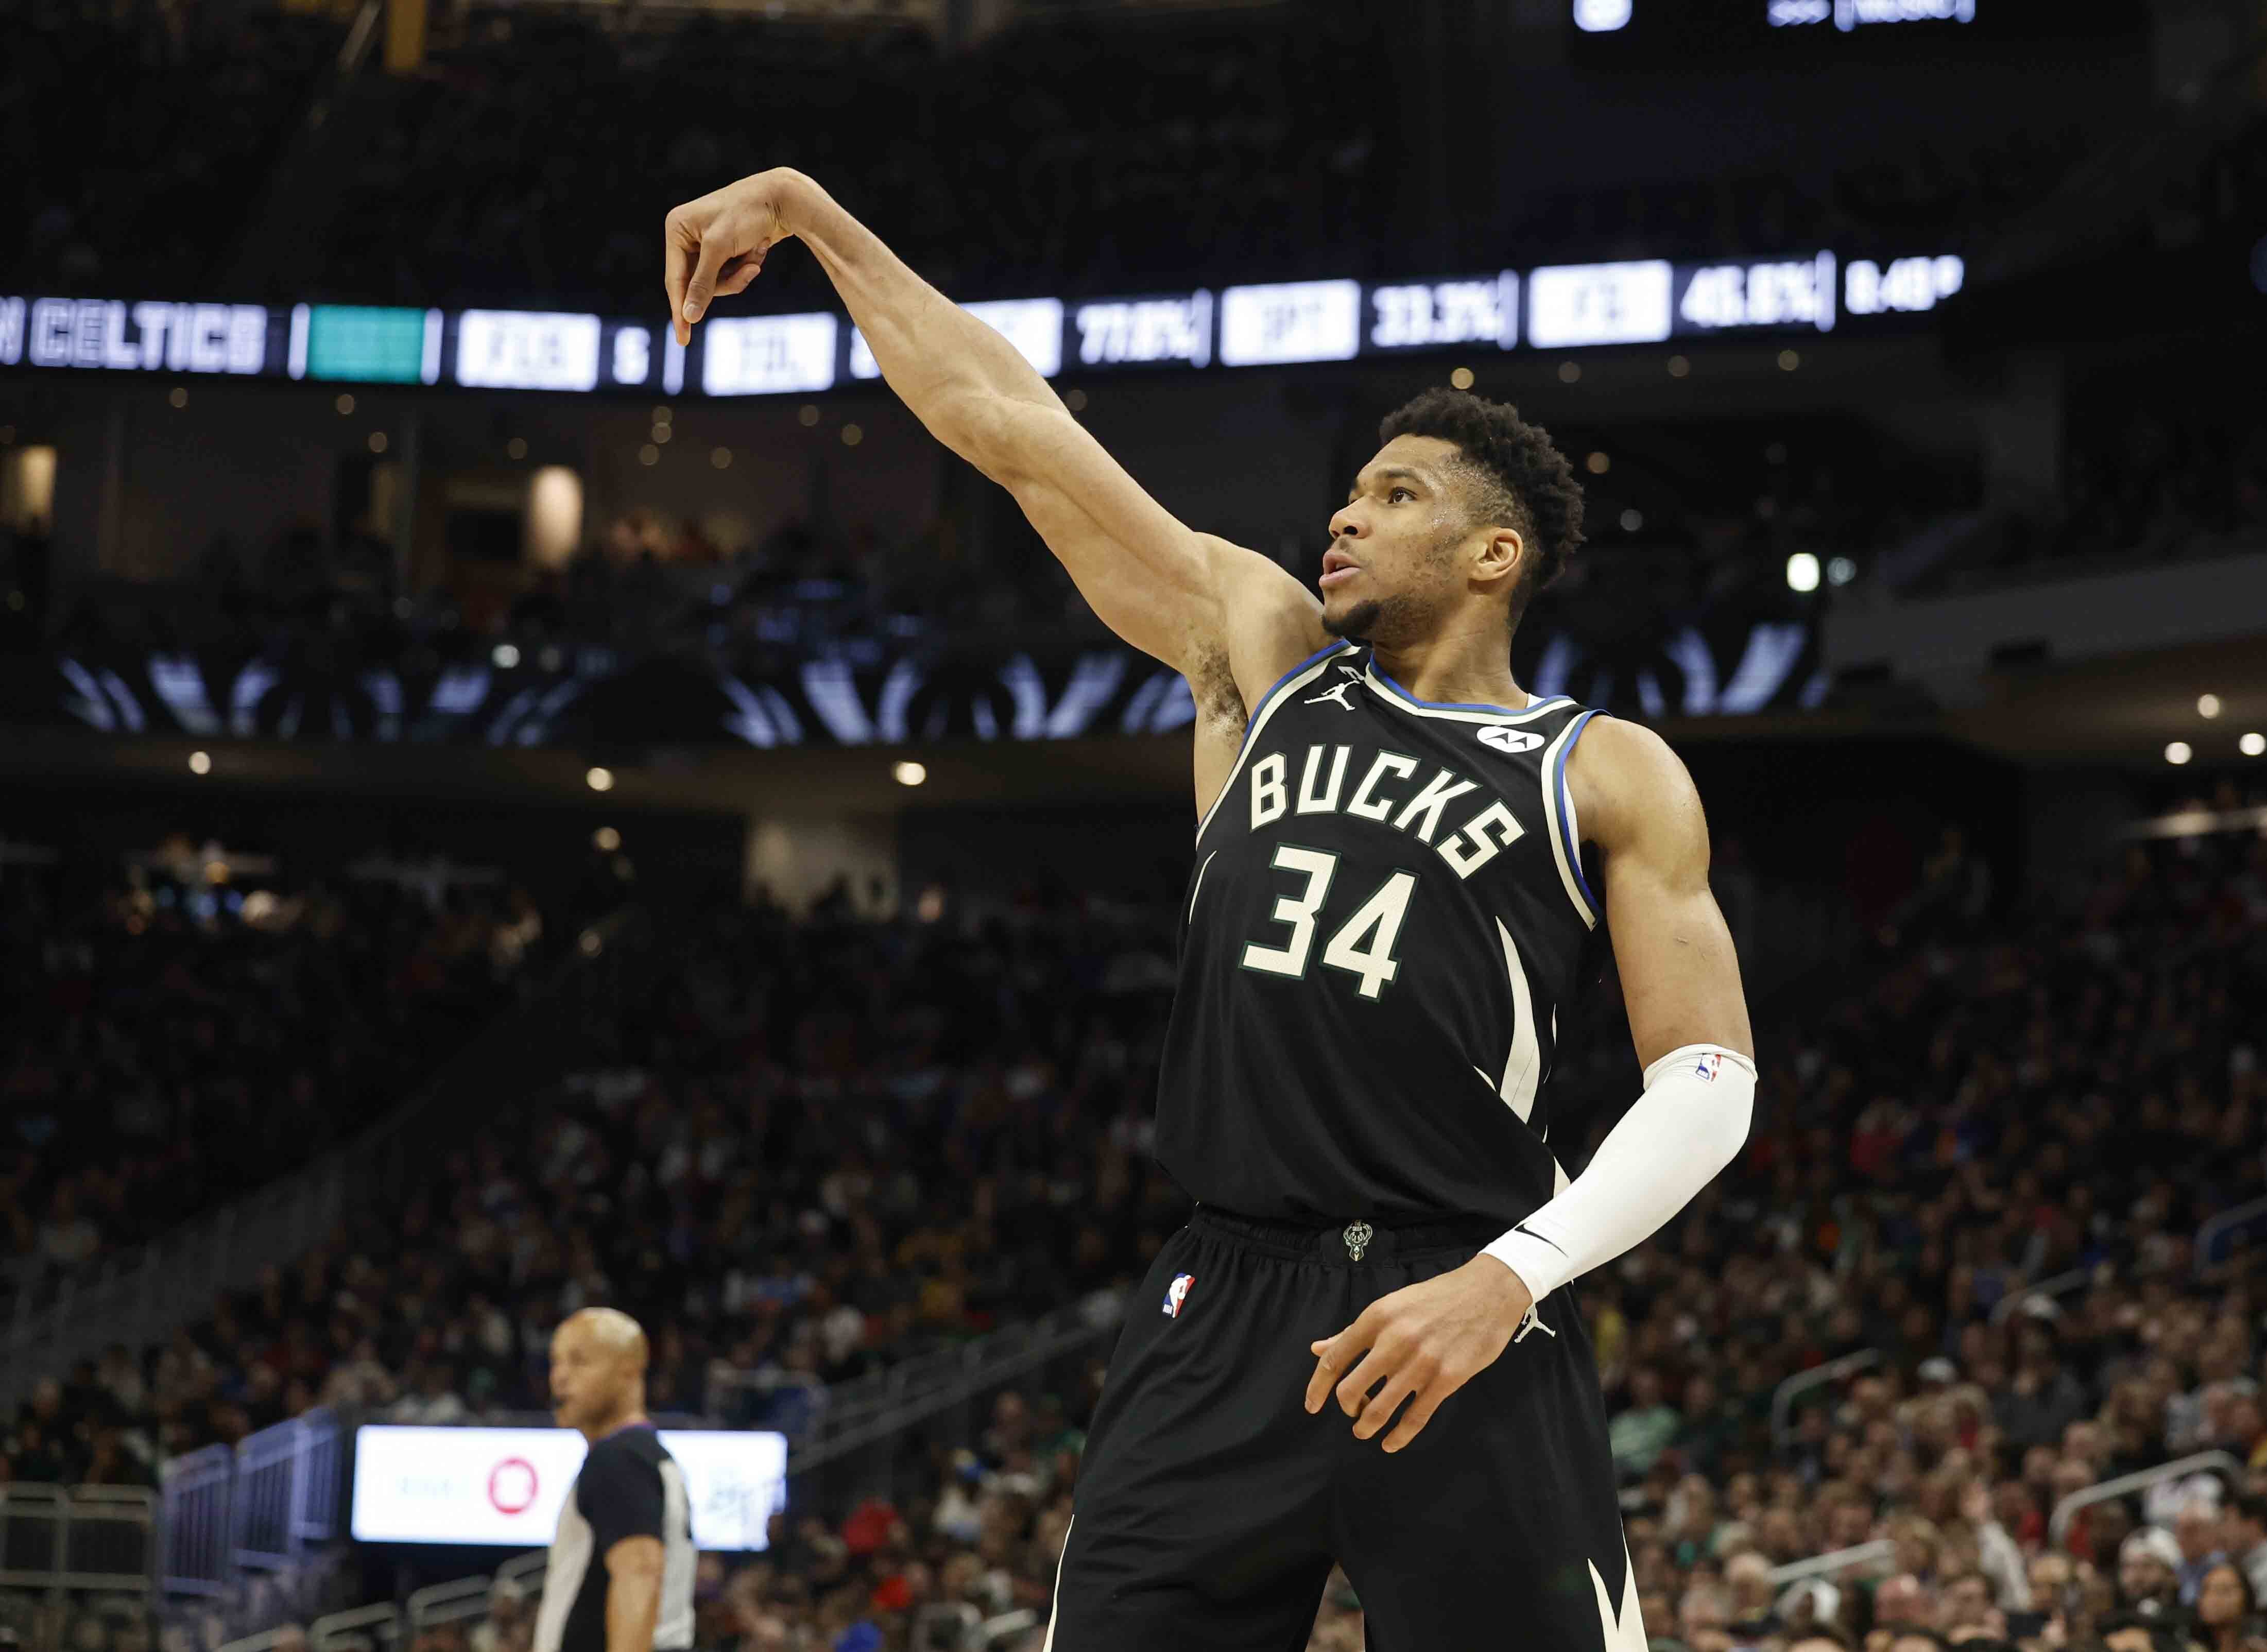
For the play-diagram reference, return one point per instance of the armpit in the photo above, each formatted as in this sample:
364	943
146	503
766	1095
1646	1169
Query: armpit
1220	703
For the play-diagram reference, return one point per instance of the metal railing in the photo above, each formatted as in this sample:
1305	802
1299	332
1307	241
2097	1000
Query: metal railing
2227	1222
1833	1561
385	1626
143	1296
286	1496
2047	1289
1785	1395
78	1537
365	1629
873	1408
2067	1508
261	1507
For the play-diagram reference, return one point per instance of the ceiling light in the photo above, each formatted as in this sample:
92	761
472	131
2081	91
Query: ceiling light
2178	752
599	780
910	773
2207	705
1803	571
200	763
2252	744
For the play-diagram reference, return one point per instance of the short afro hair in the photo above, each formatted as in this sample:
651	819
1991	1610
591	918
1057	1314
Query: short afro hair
1525	483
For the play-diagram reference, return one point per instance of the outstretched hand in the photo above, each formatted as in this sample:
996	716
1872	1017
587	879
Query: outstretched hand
714	247
1422	1343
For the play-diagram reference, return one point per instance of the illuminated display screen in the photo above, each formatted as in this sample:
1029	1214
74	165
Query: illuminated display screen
1571	305
1292	321
146	336
1775	295
1634	31
1562	306
1907	285
526	349
506	1487
1123	332
767	355
366	345
1425	315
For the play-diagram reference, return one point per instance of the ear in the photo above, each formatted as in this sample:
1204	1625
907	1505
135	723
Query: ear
1502	556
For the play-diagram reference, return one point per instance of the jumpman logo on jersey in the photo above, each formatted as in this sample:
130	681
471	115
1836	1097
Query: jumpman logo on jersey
1337	696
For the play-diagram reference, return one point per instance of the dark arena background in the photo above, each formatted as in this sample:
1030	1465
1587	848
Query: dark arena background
501	812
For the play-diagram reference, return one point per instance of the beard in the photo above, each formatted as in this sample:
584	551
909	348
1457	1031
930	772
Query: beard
1393	621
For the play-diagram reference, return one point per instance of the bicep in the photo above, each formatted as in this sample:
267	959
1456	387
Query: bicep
638	1556
1680	976
1178	595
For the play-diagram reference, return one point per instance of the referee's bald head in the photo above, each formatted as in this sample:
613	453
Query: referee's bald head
597	1370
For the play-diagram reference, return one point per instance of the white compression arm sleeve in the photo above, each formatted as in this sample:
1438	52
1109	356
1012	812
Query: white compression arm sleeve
1686	1127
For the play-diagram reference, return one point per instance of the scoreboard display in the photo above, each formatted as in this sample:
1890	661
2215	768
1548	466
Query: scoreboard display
1652	33
1563	307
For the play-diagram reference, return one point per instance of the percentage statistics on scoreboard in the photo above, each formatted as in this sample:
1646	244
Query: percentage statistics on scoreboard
1562	306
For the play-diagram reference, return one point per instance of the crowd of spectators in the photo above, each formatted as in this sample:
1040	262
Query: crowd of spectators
835	1142
141	134
768	1181
529	152
177	1039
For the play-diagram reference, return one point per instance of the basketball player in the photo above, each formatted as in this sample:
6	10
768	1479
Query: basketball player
1367	1348
620	1577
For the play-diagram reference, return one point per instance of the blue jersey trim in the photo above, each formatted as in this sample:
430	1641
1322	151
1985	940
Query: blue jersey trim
1567	810
1453	705
1252	722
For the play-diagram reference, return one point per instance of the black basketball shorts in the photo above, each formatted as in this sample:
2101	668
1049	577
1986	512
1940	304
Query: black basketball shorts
1210	1505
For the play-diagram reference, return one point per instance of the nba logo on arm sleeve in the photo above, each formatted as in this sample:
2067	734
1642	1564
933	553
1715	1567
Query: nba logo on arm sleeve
1176	1293
1709	1065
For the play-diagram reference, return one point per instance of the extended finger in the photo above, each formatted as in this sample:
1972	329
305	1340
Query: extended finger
677	265
1328	1357
1420	1412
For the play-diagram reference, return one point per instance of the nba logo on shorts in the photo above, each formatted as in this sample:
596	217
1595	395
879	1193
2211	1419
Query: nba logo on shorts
1708	1066
1176	1293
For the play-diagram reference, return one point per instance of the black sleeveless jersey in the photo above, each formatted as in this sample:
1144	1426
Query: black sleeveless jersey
1388	909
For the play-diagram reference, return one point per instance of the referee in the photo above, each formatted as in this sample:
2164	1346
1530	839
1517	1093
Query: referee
620	1577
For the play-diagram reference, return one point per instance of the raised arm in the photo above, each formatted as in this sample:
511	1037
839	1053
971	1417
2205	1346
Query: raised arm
1227	618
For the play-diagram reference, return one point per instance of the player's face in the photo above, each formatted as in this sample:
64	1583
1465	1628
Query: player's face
1403	547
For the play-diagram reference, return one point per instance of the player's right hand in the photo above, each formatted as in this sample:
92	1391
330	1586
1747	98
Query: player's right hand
716	245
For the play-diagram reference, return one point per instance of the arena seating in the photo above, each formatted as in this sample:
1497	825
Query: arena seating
142	134
1980	1171
458	194
187	1038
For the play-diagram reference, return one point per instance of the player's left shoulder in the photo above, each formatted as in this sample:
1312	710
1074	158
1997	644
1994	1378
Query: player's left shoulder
1626	782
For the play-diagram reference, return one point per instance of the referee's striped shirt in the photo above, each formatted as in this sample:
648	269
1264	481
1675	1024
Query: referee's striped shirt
629	1486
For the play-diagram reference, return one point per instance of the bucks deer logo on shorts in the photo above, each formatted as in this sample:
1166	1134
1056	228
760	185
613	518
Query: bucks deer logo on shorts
1176	1293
